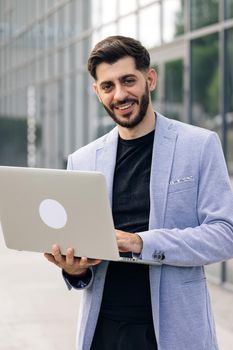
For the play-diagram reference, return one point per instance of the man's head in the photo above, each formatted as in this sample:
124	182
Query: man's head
113	48
123	81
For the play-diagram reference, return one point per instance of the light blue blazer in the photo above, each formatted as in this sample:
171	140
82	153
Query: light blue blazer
191	224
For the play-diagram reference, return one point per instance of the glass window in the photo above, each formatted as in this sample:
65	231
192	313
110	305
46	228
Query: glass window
108	30
31	13
145	2
173	96
85	14
127	26
2	24
76	55
86	46
37	73
126	7
41	36
13	141
76	12
50	3
35	39
205	82
173	19
48	64
229	274
154	92
203	13
229	98
68	24
50	32
96	37
150	35
228	9
67	59
95	13
62	26
40	7
108	11
41	67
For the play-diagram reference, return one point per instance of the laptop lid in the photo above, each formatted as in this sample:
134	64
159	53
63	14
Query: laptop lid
40	207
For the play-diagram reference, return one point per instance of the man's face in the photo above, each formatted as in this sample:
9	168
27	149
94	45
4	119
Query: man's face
123	90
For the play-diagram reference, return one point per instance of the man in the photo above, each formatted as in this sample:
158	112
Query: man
171	202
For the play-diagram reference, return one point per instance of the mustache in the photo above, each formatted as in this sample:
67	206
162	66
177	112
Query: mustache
125	101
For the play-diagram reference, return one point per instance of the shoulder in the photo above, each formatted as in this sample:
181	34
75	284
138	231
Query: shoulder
188	133
84	157
192	144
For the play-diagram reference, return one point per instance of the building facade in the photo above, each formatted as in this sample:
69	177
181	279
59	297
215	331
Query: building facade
47	105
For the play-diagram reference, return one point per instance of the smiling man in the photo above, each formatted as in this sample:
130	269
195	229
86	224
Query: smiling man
172	203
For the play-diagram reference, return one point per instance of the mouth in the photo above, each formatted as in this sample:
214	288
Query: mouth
125	107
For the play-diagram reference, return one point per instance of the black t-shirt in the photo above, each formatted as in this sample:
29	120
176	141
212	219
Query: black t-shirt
126	294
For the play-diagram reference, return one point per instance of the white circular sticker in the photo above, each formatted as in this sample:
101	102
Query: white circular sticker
52	213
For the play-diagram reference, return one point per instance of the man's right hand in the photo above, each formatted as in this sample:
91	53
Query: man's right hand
69	263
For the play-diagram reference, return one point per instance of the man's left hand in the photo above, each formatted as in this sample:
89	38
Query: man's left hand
129	242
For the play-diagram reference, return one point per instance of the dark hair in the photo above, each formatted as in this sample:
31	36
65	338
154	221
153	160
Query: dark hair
116	47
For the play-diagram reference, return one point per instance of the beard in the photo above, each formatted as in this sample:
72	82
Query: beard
130	122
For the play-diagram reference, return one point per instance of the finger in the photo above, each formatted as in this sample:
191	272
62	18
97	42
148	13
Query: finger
70	256
93	262
49	257
87	262
56	253
83	261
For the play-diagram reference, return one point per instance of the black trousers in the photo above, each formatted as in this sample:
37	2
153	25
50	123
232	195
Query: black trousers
119	335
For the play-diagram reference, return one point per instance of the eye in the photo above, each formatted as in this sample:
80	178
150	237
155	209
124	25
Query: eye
129	81
107	87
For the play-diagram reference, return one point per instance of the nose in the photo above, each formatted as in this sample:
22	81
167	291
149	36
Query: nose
120	93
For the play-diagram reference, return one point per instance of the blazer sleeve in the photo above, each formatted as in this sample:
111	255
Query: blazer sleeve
212	240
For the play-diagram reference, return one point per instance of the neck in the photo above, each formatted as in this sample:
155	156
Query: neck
146	126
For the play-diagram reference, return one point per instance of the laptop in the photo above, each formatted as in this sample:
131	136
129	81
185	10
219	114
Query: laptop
40	207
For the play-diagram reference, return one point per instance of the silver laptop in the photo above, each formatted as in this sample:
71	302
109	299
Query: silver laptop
40	207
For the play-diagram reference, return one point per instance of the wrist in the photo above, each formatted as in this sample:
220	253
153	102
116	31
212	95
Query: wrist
78	281
138	244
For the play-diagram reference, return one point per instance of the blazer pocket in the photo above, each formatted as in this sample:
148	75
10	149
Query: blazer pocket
181	186
194	281
181	206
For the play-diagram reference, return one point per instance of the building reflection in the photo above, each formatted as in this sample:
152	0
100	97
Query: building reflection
44	45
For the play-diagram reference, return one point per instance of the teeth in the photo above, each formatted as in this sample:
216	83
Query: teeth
125	106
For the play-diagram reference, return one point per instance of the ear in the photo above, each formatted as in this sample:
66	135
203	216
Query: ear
152	79
94	86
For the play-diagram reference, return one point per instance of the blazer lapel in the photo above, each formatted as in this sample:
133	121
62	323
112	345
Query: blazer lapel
163	153
106	159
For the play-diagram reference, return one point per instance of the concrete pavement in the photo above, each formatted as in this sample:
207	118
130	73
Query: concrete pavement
36	309
222	302
38	312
